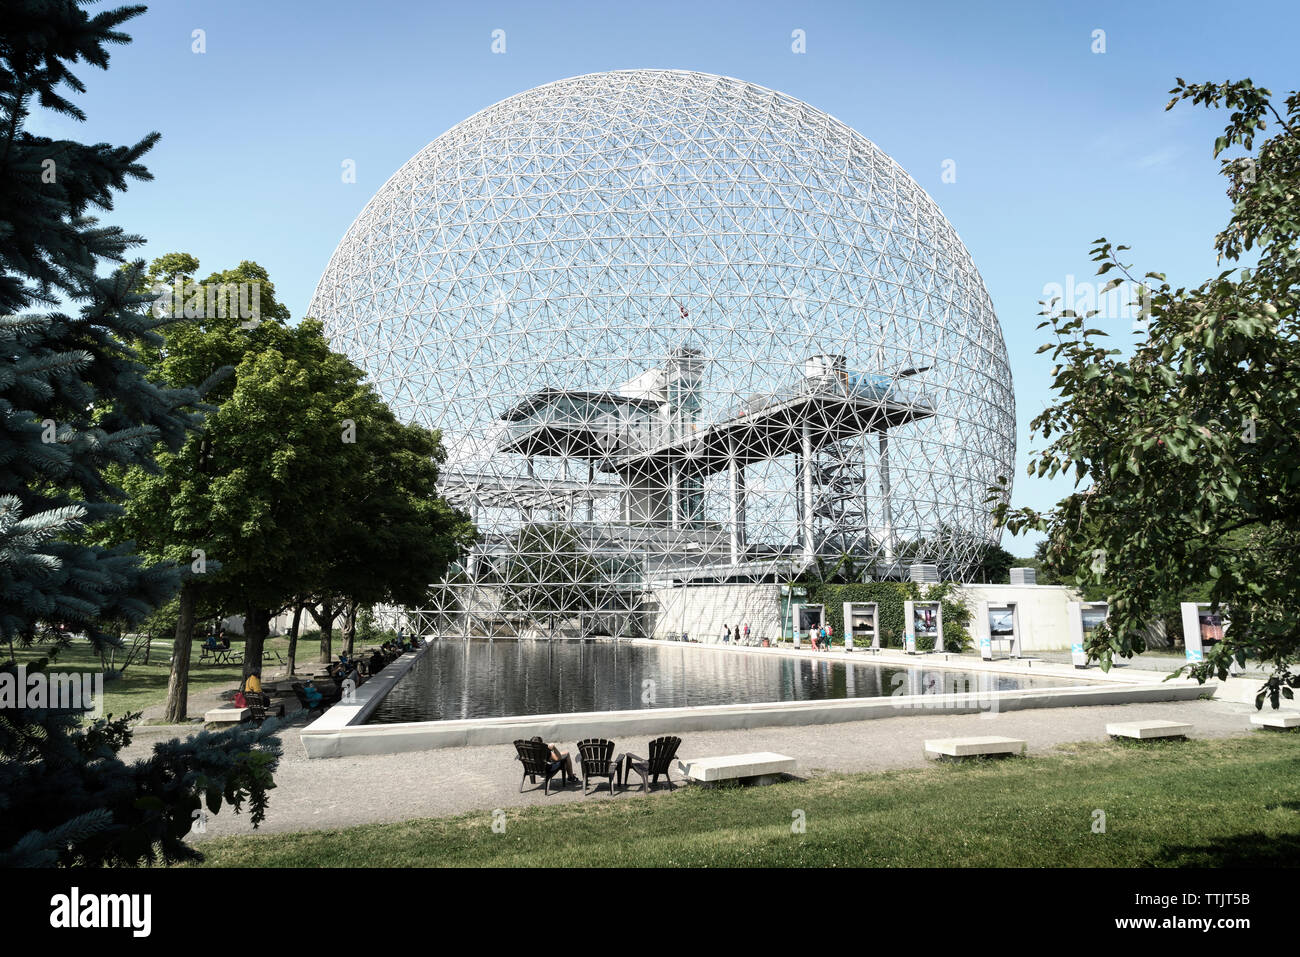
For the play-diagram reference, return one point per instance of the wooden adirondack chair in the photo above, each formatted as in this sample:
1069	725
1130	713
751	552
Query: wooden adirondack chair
662	752
536	759
598	761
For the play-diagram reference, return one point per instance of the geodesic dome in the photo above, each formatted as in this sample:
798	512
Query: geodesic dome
677	327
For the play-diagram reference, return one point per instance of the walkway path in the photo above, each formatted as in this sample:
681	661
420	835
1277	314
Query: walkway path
329	793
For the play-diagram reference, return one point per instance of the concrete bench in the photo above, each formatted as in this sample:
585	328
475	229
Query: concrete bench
226	715
1143	730
1277	719
971	747
762	767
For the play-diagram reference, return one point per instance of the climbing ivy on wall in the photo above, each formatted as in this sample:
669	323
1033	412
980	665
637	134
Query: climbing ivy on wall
889	598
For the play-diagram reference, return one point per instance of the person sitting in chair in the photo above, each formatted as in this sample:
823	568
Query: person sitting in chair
312	696
560	759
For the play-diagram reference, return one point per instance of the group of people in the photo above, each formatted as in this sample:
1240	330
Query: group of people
346	668
356	669
821	637
737	635
729	636
359	668
217	640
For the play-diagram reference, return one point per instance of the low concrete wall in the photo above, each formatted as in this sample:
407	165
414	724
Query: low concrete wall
427	735
1243	690
1044	617
345	734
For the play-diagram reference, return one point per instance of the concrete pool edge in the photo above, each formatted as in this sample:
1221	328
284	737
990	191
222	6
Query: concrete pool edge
368	696
950	661
339	738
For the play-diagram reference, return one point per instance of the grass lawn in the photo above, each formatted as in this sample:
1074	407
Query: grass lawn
146	685
1219	802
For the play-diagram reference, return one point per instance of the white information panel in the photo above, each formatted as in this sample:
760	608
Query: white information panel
1000	624
805	617
1201	627
861	625
1085	618
922	619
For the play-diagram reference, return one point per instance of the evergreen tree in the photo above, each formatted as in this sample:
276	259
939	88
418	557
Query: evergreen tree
76	405
73	397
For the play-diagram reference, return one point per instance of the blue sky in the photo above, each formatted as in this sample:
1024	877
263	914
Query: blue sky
1054	144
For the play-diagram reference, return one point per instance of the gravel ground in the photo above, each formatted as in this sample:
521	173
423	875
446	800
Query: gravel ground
336	792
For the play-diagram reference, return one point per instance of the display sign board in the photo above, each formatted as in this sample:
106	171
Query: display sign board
1201	627
1085	618
805	617
922	619
861	624
790	596
999	625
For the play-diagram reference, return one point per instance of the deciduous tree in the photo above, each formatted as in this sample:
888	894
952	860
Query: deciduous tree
1185	447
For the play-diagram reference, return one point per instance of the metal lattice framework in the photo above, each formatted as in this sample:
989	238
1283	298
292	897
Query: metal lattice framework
676	328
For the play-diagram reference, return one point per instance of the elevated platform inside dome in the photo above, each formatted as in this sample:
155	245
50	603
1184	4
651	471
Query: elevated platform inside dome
572	423
556	423
774	431
648	435
487	490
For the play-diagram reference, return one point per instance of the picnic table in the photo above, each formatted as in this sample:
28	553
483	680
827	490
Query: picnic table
234	655
221	656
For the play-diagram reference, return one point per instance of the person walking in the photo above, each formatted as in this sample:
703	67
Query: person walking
746	632
726	635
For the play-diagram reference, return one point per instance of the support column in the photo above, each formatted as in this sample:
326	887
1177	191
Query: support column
591	491
887	506
734	488
676	478
741	529
808	549
569	499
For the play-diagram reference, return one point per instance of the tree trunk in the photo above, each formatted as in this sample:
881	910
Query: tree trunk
325	620
256	624
293	637
350	627
178	684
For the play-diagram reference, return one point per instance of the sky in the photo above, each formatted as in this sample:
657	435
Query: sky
1052	141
